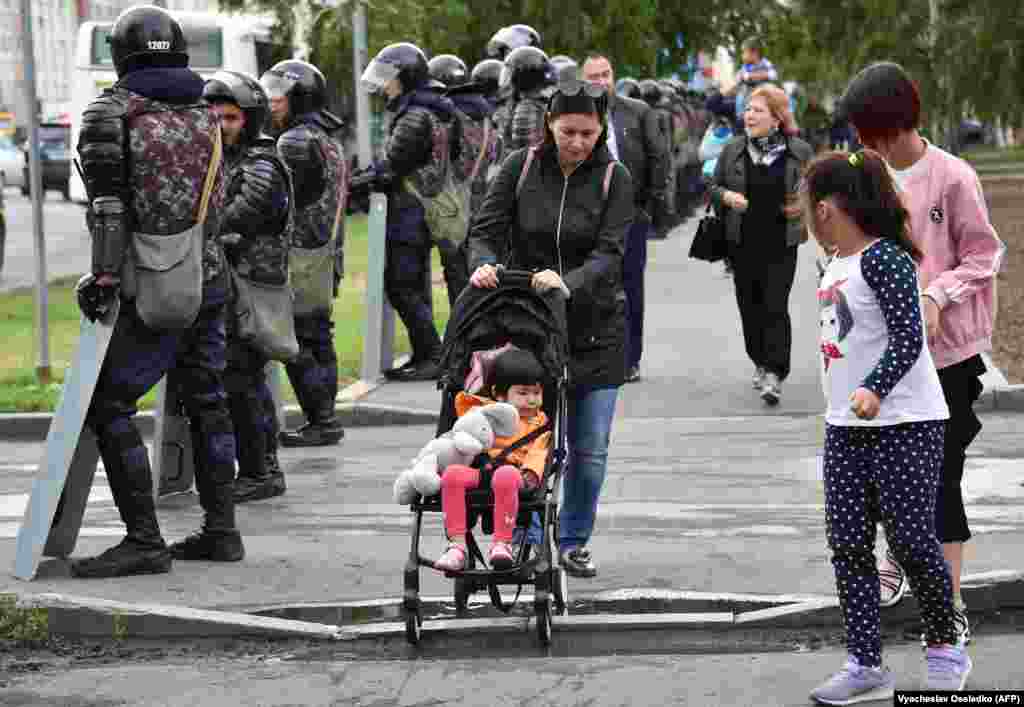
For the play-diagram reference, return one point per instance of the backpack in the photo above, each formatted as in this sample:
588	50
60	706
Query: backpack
532	152
447	212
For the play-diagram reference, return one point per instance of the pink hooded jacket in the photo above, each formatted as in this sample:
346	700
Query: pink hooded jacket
962	252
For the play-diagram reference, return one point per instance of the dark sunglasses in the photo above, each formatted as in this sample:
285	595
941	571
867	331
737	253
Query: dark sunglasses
574	87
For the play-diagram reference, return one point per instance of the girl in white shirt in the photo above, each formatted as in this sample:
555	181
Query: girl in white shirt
885	420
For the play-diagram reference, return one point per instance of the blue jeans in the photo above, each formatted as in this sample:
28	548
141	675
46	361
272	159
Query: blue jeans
591	411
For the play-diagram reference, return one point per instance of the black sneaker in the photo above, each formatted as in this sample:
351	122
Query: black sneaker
126	558
313	435
214	547
578	563
422	371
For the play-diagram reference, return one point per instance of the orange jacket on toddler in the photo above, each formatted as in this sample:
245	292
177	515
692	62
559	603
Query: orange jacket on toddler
529	457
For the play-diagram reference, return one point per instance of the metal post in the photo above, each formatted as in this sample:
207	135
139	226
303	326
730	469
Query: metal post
359	60
35	174
376	302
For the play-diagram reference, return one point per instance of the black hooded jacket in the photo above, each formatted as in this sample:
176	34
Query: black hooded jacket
588	251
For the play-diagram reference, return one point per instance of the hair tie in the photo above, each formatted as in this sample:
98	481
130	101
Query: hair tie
857	159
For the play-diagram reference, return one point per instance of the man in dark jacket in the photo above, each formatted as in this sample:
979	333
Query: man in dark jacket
635	138
419	151
256	233
147	146
308	144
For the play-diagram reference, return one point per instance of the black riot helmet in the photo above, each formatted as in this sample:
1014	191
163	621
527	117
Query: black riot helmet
448	69
526	69
145	36
487	74
508	39
630	88
565	67
403	61
650	92
244	92
300	82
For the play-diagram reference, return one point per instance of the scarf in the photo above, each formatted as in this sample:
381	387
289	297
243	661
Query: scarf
766	149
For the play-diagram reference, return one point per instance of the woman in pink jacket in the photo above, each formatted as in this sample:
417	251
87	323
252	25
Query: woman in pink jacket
962	254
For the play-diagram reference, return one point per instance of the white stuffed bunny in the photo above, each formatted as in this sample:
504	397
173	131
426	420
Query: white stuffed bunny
471	434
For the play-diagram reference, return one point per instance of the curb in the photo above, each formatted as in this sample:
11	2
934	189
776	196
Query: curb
89	617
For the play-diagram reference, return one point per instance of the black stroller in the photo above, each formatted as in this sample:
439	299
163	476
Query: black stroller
484	320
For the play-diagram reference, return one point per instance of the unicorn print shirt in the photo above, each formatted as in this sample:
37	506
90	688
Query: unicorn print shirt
872	336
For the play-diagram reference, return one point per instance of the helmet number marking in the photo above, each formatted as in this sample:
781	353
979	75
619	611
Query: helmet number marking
159	45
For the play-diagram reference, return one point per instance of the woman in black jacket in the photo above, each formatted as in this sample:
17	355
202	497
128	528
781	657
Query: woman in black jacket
567	222
754	188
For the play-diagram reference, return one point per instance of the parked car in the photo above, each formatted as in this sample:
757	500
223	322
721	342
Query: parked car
12	164
54	158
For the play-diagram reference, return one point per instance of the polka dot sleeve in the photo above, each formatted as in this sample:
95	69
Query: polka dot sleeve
891	273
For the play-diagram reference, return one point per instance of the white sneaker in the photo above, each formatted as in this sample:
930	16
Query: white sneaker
948	668
892	582
771	389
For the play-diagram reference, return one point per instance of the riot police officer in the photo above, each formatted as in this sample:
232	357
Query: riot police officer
508	39
530	76
307	143
480	144
653	94
256	233
149	150
486	75
421	146
566	68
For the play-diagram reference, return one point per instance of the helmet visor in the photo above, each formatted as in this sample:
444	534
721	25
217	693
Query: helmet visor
505	80
276	85
505	40
377	75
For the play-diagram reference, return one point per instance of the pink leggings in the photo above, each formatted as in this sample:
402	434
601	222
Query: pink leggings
505	482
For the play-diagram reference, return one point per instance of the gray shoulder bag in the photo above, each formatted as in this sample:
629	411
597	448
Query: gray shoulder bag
165	272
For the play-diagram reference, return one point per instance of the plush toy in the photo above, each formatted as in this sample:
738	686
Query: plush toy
472	434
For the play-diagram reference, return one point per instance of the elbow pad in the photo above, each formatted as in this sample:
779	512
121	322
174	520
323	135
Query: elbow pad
109	234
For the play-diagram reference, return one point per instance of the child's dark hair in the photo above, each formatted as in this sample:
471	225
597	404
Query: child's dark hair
515	367
882	101
863	187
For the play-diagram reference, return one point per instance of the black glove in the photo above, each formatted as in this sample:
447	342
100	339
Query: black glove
95	300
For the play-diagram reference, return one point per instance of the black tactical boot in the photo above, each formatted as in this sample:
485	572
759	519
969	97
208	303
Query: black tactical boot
218	540
314	434
143	550
213	546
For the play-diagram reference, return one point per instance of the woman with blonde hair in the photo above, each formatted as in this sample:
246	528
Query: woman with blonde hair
754	191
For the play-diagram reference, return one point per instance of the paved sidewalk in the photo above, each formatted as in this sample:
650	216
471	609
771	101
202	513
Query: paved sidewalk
707	490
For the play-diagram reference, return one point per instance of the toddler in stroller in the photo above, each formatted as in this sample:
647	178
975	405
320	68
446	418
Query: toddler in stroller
517	379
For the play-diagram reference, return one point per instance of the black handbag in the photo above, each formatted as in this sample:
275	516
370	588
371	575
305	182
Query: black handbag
709	243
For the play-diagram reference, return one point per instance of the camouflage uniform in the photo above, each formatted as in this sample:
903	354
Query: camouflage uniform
418	148
317	163
259	210
154	156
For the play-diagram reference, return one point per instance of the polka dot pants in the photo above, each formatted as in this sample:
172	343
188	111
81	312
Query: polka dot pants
888	474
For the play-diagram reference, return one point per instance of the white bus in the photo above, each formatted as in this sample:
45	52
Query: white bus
233	42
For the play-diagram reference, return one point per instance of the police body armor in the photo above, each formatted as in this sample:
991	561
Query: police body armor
319	178
156	187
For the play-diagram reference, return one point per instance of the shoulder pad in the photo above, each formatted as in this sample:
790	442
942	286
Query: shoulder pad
327	121
109	104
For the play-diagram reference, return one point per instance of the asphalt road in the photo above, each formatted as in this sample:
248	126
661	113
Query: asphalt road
290	679
67	241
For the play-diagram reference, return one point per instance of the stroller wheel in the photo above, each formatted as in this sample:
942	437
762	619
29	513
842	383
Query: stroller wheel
413	626
560	591
543	615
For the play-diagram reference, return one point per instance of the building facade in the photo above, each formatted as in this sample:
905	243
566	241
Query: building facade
54	31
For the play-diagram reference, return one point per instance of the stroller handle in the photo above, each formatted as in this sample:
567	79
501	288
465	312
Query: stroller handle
514	278
520	278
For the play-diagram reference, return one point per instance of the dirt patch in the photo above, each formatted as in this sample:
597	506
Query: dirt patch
1006	207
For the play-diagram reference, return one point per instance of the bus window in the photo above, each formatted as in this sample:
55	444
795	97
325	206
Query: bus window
205	47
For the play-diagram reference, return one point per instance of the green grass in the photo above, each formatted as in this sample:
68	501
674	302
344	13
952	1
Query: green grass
20	392
992	155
